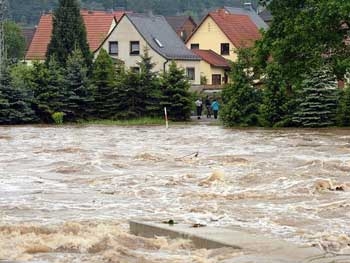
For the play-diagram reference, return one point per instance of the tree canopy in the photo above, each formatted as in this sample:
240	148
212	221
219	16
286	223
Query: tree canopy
68	33
15	42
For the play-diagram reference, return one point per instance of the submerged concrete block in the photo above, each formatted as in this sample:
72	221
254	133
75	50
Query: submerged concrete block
259	247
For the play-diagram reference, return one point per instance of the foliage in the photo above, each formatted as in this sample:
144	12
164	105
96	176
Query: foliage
58	117
134	122
138	92
68	33
104	86
150	85
343	111
318	100
131	96
15	42
79	93
175	93
277	105
304	35
240	99
14	102
49	88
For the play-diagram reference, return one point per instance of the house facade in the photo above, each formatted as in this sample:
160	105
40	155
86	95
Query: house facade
224	33
136	32
221	34
214	68
98	25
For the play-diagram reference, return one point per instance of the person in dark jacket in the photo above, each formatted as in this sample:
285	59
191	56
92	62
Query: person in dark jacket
199	106
208	106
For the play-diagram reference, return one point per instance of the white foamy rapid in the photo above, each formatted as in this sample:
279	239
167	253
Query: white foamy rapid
66	193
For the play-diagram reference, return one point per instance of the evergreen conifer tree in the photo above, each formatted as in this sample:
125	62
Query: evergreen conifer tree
50	91
15	105
104	86
344	108
131	96
68	33
318	100
240	99
150	94
175	93
79	100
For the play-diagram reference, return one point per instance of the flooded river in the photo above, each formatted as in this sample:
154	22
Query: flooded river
67	193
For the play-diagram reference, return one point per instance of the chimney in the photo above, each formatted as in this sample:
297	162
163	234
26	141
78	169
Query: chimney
248	6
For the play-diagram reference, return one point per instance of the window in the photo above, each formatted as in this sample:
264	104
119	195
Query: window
135	69
113	48
225	49
194	46
190	73
216	79
134	47
160	44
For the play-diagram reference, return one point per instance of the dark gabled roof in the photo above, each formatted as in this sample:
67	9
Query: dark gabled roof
212	58
161	37
258	21
177	22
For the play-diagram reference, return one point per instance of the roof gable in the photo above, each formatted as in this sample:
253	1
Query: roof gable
97	24
161	37
239	29
212	58
257	20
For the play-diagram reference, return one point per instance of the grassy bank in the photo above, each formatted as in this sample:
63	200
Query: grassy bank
132	122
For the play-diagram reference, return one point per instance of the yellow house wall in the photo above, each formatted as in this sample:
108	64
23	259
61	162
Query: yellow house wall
126	32
210	36
207	70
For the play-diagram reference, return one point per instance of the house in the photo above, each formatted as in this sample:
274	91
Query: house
223	33
214	68
183	25
136	32
97	23
248	10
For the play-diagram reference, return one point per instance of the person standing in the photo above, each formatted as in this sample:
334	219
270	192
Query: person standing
215	107
208	106
199	105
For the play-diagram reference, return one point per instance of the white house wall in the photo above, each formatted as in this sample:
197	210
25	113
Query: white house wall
125	32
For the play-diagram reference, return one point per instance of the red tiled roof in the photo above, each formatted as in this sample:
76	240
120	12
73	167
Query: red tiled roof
97	23
239	29
212	58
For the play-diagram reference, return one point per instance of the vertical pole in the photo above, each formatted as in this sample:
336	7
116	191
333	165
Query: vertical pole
166	118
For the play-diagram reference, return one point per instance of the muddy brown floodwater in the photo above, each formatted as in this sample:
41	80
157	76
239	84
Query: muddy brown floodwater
67	193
